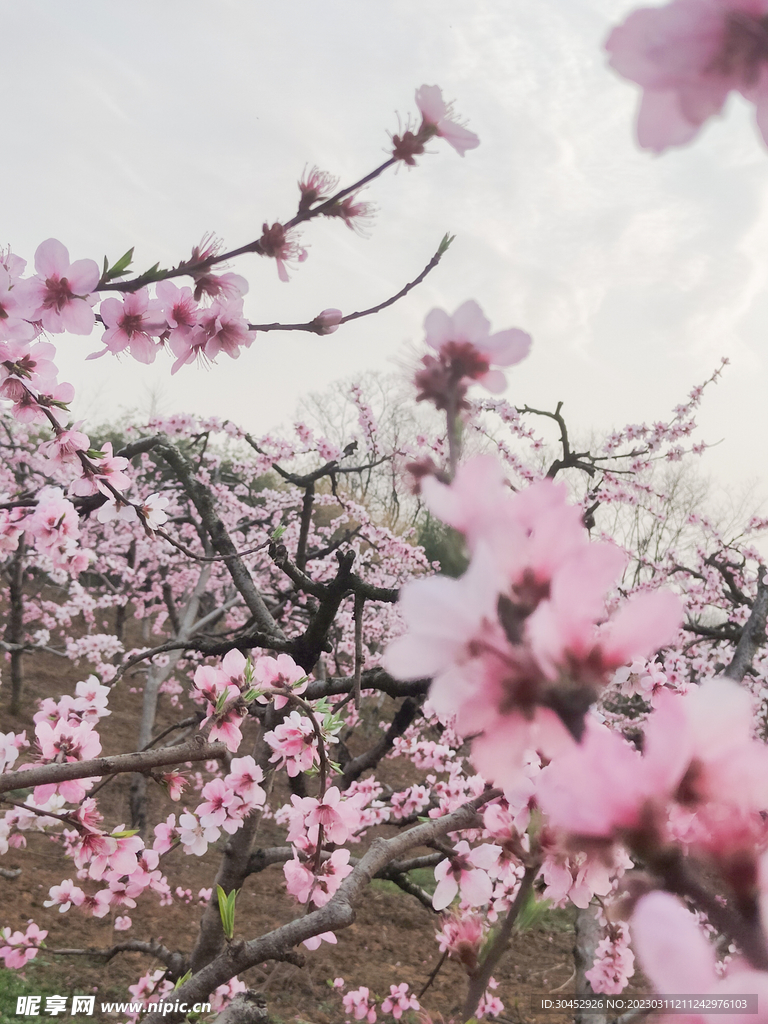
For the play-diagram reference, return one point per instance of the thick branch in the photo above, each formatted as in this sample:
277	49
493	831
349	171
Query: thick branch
727	632
753	634
371	679
337	913
479	980
222	542
45	774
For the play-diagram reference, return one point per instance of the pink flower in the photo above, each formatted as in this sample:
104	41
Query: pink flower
462	936
226	728
244	778
352	211
314	941
166	835
282	246
17	307
513	647
18	948
221	328
339	818
465	871
698	751
293	743
64	896
153	509
213	812
301	883
132	324
276	675
360	1003
687	57
195	836
107	469
178	306
438	116
228	287
122	924
399	1000
61	290
316	186
65	446
614	962
299	879
67	741
466	351
437	119
596	786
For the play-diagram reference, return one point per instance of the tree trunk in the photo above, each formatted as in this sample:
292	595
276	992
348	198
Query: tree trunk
588	935
14	632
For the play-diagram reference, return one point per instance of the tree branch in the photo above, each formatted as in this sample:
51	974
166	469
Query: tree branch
338	913
753	633
175	962
46	774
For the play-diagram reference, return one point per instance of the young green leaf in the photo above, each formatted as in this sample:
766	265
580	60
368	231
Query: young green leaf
227	910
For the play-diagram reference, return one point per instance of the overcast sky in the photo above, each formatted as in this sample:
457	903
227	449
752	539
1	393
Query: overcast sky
150	124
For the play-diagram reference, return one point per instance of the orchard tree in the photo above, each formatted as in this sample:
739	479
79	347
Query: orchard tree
585	718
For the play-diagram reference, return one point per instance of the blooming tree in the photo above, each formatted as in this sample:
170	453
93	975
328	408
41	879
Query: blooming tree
583	717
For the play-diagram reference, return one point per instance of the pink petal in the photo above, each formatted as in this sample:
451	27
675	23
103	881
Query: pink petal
508	347
445	892
661	123
471	323
83	276
476	888
644	624
429	100
77	317
493	381
439	328
459	137
671	948
51	258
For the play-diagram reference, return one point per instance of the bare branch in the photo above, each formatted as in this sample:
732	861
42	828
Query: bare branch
45	774
175	962
222	542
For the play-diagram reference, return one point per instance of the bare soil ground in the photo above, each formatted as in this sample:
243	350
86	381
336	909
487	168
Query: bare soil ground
391	941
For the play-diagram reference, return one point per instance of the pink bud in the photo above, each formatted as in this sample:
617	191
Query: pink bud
327	321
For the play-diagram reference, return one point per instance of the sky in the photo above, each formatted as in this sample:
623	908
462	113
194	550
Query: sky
153	124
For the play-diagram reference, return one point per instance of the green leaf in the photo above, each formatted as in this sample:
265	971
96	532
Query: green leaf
181	980
153	274
277	533
221	701
125	834
119	268
227	910
531	911
445	243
